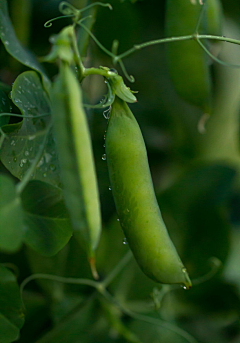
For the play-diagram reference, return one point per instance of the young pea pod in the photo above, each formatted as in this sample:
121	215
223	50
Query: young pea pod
214	17
76	160
135	200
188	64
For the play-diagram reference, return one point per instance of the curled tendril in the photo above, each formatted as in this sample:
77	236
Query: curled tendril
95	39
97	4
49	22
107	102
68	9
129	77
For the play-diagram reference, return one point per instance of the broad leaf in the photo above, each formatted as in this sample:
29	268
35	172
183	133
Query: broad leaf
46	218
25	138
14	47
11	216
11	308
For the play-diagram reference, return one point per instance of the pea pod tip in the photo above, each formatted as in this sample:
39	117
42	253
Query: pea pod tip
92	263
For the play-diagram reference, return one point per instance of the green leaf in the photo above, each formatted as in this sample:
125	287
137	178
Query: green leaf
20	149
4	108
11	216
46	218
11	308
196	205
73	328
14	47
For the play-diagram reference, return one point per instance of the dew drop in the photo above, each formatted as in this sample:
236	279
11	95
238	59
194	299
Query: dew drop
184	287
125	241
15	159
44	174
26	153
52	167
109	188
104	157
118	220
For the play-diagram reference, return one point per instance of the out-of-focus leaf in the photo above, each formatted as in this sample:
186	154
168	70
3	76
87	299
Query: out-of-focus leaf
74	328
11	216
54	265
231	271
25	138
4	108
196	206
11	308
14	47
46	218
37	316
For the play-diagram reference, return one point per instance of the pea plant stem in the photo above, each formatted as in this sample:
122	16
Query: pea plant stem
194	36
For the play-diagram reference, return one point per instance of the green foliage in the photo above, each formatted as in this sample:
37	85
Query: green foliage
11	313
25	137
193	158
12	227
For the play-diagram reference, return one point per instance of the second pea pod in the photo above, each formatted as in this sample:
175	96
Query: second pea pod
135	200
76	160
188	63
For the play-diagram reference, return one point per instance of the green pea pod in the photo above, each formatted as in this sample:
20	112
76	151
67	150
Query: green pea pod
76	160
135	200
188	64
214	17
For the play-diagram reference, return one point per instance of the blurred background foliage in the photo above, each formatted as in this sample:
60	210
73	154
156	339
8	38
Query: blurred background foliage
196	178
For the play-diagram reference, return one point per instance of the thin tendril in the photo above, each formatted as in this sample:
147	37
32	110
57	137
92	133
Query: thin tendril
69	8
96	40
124	261
129	77
215	58
216	264
82	19
49	22
97	4
200	17
59	279
148	319
115	46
